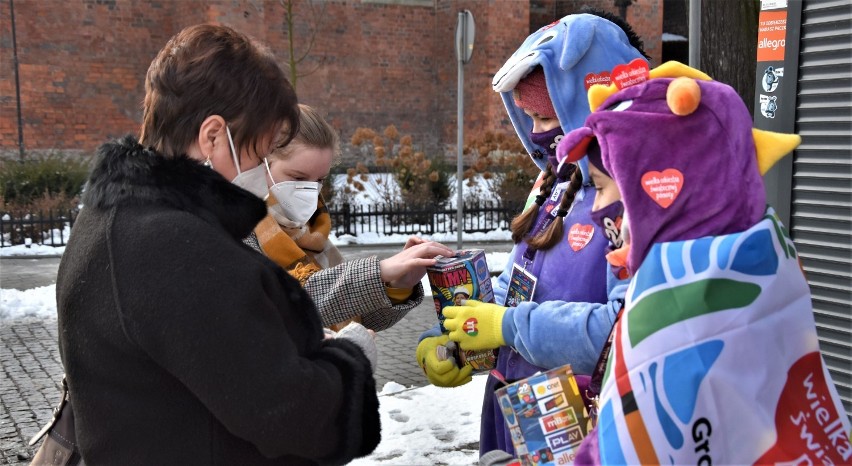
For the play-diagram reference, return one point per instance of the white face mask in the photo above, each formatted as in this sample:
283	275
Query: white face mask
297	200
253	180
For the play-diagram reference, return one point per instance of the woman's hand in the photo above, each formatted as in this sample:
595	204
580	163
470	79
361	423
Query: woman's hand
364	338
413	241
407	268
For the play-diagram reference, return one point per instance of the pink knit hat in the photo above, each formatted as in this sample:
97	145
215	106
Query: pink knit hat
531	94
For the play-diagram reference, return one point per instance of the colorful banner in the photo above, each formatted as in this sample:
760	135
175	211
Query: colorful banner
716	360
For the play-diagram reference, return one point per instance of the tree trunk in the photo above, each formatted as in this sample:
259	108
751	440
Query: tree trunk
729	44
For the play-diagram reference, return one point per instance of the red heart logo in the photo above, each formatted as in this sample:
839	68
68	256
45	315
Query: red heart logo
601	78
663	187
580	235
631	74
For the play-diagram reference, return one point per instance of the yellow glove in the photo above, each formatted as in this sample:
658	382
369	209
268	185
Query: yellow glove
475	325
441	371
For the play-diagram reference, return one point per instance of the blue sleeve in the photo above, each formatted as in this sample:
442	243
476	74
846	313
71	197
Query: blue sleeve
555	333
432	332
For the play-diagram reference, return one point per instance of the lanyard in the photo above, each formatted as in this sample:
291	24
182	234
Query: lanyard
559	189
600	367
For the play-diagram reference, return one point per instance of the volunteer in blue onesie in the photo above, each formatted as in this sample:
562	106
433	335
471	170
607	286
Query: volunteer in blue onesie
559	252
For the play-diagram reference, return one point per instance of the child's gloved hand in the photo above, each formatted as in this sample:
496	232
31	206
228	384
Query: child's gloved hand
475	325
441	372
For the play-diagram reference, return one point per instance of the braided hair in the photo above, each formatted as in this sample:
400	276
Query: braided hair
523	223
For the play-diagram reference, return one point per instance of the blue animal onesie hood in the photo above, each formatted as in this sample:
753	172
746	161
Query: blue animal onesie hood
574	52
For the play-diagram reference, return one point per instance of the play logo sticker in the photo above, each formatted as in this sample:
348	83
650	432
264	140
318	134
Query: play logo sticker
565	439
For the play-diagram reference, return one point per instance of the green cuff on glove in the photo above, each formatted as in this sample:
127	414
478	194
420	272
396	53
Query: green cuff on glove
475	325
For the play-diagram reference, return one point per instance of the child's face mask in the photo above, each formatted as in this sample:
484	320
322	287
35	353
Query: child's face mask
617	258
610	219
548	140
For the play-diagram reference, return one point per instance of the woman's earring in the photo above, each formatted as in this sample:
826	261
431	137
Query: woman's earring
208	163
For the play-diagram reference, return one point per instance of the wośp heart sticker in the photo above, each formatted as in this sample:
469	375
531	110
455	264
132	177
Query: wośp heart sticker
603	78
663	187
635	72
580	235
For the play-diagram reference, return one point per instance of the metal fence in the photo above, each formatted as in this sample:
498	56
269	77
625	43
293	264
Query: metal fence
53	228
50	228
427	220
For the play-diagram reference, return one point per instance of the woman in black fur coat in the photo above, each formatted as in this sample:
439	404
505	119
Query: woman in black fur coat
182	345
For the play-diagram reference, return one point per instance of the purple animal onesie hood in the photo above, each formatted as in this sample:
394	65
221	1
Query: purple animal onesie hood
681	176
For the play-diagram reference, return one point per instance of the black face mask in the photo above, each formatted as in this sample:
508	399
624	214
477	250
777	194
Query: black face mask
609	220
548	140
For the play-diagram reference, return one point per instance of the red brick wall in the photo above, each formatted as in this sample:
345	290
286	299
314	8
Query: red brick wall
373	62
381	64
81	70
501	26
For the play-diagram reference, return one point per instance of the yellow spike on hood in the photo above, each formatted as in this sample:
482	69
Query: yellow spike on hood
771	147
673	69
598	93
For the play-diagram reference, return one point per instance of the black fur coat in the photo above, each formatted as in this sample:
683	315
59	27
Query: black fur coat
182	345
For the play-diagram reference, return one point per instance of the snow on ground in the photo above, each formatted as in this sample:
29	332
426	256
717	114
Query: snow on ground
21	250
37	302
429	425
32	248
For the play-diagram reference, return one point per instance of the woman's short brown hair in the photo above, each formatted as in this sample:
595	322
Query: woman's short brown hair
209	70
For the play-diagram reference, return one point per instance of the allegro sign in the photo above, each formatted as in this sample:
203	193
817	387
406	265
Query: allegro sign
771	35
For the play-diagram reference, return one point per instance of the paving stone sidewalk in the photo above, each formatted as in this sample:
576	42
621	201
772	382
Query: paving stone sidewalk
30	372
29	384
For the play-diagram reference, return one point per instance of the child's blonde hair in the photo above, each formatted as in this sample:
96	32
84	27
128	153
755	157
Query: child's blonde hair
314	132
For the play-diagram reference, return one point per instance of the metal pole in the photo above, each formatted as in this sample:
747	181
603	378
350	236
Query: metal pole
17	82
459	141
695	34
